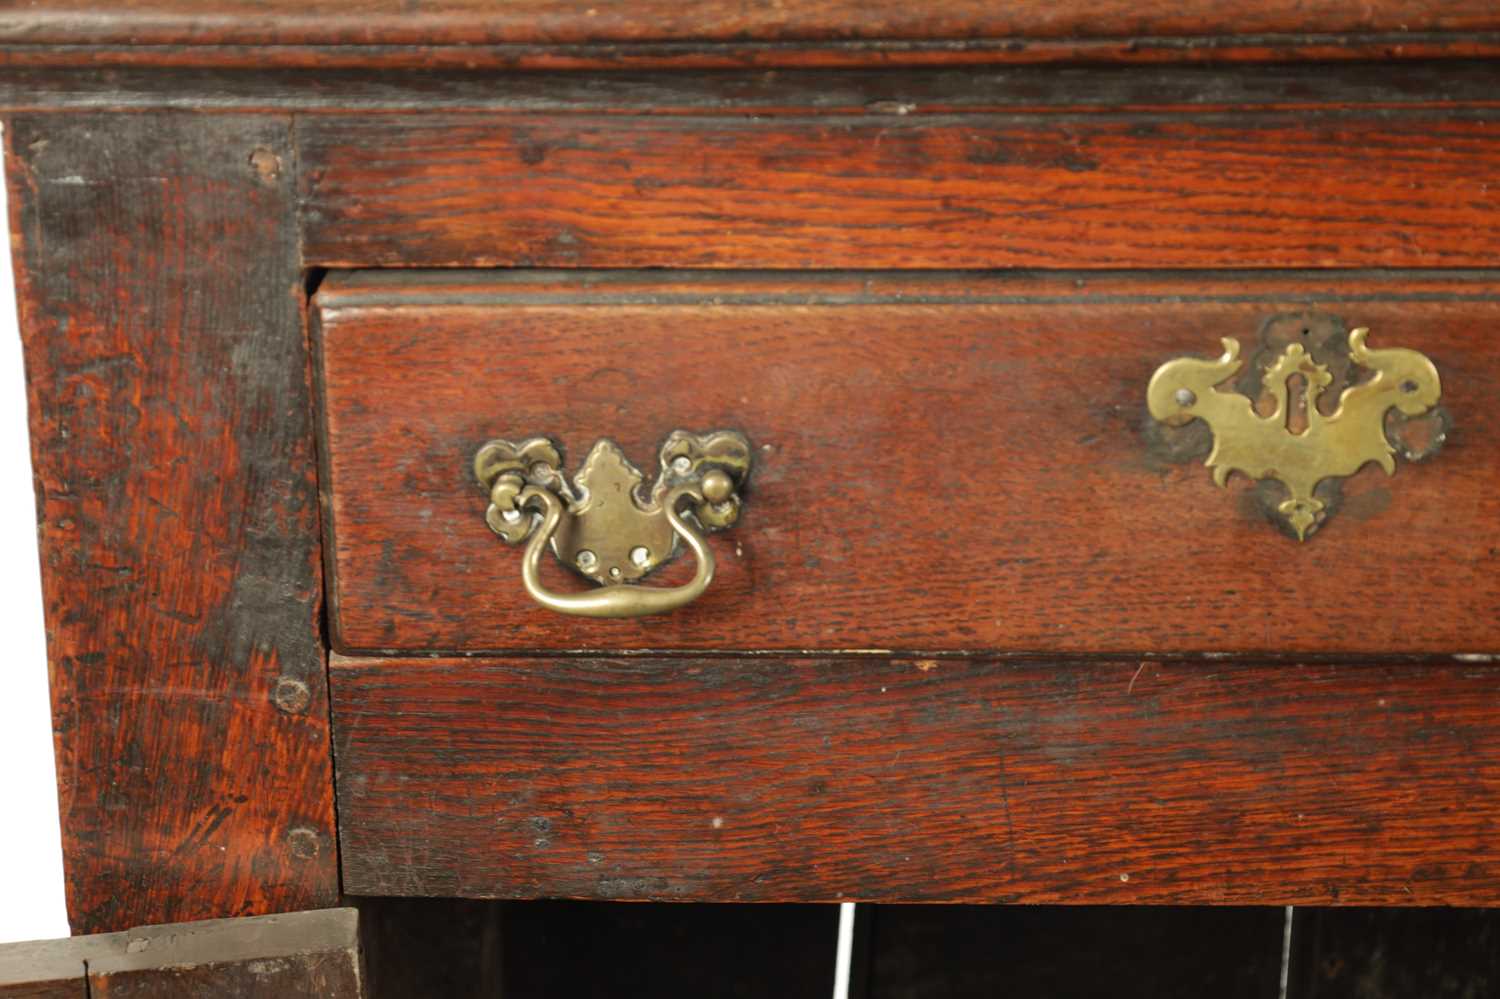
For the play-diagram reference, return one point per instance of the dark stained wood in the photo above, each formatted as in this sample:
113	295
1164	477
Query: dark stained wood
1279	190
1450	87
700	56
171	424
305	955
944	463
485	22
1392	954
721	32
919	780
1034	952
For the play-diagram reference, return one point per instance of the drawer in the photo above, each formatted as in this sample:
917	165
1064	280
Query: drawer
939	462
901	779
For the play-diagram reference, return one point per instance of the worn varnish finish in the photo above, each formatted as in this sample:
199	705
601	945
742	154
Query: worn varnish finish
46	969
1028	91
719	33
305	955
910	779
485	22
171	425
959	462
916	191
762	56
301	955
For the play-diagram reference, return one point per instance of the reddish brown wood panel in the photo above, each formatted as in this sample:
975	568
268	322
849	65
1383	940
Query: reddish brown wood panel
698	56
1247	190
171	424
485	22
919	780
567	34
956	462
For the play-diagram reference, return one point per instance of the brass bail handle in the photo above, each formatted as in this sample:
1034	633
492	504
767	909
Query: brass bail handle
620	600
603	527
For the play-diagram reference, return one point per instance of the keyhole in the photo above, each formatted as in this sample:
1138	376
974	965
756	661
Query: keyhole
1296	403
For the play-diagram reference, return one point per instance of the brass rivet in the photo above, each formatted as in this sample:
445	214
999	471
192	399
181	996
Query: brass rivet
640	555
717	486
587	560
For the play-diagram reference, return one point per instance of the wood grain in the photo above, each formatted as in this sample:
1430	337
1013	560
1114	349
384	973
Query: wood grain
944	463
1276	190
1154	50
919	780
1112	90
568	34
484	22
171	427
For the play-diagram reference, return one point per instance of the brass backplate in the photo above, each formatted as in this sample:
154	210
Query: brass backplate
1276	422
614	531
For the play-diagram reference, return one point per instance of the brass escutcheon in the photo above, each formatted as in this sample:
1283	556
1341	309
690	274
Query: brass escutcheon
602	527
1296	443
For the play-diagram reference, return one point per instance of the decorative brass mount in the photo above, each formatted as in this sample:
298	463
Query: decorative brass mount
602	527
1296	443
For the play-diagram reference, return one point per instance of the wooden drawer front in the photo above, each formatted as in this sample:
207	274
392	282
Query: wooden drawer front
945	463
949	779
1313	188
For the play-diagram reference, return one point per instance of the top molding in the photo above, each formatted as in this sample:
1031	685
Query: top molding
664	33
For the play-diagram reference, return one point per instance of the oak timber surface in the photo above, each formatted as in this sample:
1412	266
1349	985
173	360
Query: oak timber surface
1033	91
171	428
950	462
489	22
919	780
1273	189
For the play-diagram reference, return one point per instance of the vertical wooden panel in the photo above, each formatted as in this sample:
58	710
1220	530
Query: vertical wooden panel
158	287
762	779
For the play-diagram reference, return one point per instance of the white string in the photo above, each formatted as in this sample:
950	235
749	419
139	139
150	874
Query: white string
845	951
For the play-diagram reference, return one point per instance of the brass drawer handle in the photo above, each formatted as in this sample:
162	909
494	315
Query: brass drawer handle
1296	443
601	527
